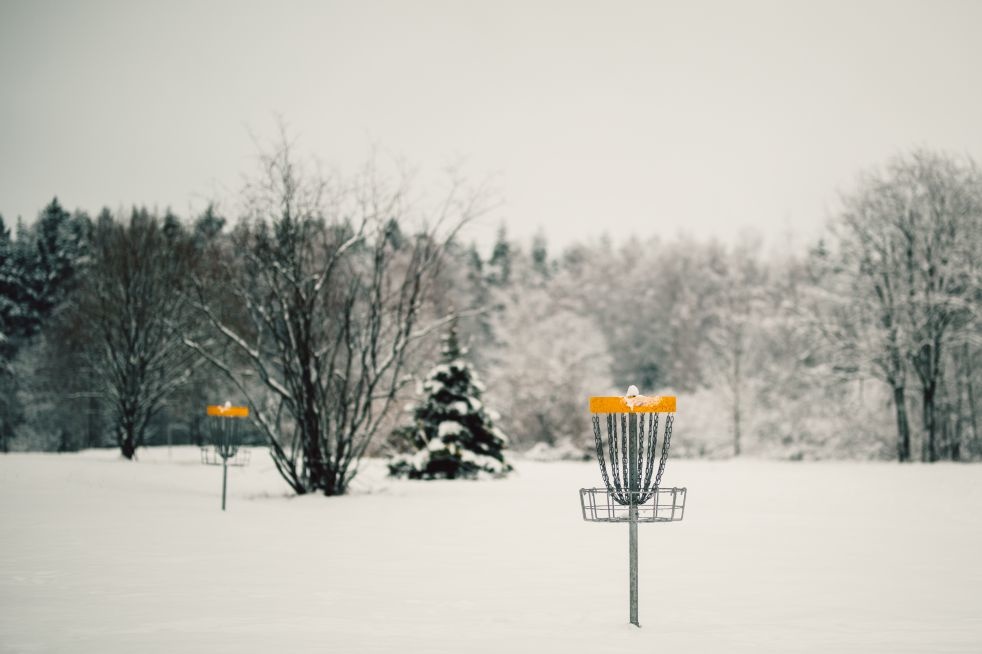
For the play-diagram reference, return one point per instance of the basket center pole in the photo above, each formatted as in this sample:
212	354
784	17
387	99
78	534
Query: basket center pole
224	450
633	474
224	479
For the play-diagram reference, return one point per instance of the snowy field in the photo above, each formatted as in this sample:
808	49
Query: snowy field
100	555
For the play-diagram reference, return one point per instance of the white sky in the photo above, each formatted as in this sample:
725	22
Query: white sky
703	118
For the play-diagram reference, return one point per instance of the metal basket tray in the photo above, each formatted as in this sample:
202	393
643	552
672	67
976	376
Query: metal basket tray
664	505
211	457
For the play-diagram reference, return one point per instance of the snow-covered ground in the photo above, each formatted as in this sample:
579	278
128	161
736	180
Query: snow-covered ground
100	555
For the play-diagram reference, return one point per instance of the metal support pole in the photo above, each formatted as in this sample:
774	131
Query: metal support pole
224	479
632	466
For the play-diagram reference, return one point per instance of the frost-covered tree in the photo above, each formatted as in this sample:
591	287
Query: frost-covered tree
544	336
907	244
452	434
739	282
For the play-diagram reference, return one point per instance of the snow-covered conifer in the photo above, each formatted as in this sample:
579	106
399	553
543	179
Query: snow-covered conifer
452	435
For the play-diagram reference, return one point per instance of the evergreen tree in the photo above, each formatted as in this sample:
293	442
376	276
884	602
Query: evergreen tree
540	255
452	434
9	285
208	225
499	267
39	268
10	410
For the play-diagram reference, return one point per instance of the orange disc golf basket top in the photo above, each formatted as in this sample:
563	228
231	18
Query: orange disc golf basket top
632	491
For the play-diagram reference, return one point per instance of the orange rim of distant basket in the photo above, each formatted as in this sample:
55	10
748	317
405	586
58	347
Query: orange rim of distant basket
617	404
228	412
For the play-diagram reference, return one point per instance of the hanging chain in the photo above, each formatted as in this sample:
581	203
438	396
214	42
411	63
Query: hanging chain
620	446
600	452
612	450
669	420
617	447
650	466
613	483
626	436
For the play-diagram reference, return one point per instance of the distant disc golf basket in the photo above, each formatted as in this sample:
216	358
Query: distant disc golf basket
223	423
632	491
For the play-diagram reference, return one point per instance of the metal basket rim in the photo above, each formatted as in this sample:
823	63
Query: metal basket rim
596	505
210	456
663	489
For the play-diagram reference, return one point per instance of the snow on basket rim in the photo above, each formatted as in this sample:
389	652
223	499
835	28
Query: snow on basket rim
635	404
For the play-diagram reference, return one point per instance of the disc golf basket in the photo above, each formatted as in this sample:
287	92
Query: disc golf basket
632	491
223	423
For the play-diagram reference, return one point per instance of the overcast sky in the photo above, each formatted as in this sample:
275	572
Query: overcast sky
629	117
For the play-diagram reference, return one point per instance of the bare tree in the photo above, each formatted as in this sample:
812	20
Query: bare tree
133	301
330	292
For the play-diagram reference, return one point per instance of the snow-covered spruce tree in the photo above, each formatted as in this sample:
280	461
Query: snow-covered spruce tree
453	435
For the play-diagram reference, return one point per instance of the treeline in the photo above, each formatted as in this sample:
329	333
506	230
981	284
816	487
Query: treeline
309	309
865	346
321	303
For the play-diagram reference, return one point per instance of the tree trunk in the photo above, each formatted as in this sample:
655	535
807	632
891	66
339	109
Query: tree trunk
319	477
929	451
903	424
972	418
128	435
90	432
955	422
736	401
966	362
127	446
956	441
